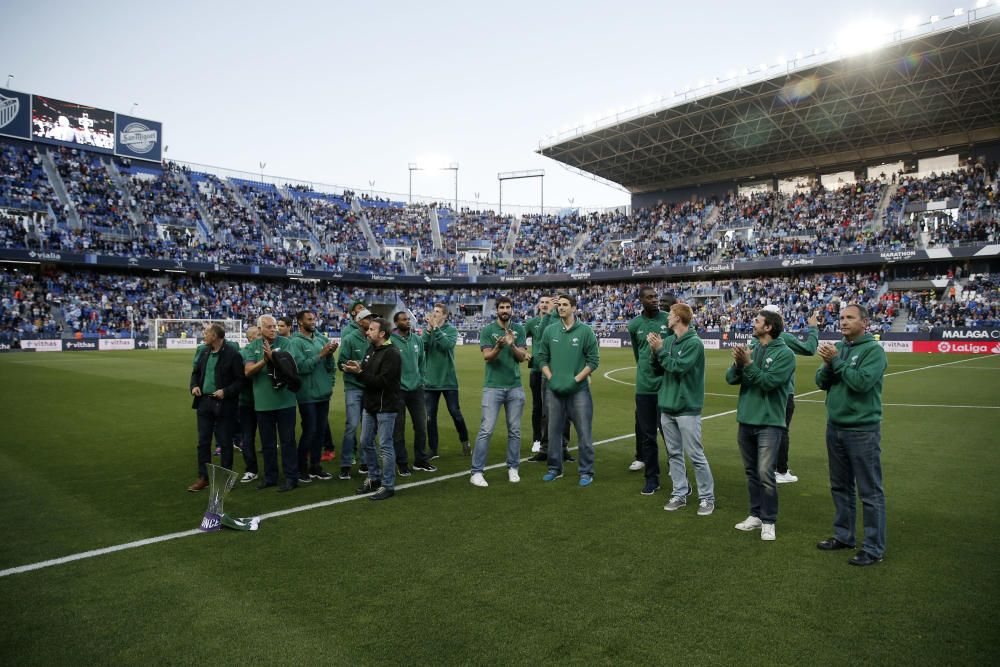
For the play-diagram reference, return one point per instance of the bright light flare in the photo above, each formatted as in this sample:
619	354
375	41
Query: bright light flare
864	37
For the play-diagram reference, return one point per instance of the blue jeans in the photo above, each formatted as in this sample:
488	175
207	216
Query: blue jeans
314	415
759	448
579	407
381	464
451	402
275	425
856	457
512	400
352	411
683	436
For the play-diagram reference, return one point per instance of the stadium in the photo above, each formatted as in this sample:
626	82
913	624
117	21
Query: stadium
865	175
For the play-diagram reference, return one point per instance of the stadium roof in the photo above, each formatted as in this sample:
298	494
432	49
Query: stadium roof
937	90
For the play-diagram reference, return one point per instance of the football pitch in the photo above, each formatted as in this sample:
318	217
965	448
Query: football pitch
100	447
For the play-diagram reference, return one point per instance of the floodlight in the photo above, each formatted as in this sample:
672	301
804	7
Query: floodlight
935	18
911	22
958	12
982	3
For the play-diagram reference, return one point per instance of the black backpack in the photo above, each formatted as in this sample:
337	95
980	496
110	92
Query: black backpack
284	372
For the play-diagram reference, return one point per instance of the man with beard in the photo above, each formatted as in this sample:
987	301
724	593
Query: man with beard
317	371
442	380
411	351
503	346
353	346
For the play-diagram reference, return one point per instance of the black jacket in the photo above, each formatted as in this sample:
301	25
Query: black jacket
229	375
381	372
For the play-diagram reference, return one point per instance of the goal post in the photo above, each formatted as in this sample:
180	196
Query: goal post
186	334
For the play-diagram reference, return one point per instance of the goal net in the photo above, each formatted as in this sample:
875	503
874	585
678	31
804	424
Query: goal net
186	334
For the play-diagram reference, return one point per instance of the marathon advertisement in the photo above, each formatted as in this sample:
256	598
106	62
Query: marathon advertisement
15	114
138	138
70	124
82	345
963	347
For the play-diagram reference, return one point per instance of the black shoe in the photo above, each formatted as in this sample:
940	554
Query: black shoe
363	469
382	494
345	473
321	475
833	544
265	485
368	486
568	457
288	486
425	467
540	456
863	558
435	456
466	448
652	486
305	479
404	471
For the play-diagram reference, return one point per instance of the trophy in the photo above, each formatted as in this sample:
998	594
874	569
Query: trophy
221	481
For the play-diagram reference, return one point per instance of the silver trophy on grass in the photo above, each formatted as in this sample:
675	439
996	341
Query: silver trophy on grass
220	483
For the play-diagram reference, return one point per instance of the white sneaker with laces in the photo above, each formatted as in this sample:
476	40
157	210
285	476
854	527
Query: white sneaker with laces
513	476
636	465
749	523
767	532
785	477
477	479
536	446
248	477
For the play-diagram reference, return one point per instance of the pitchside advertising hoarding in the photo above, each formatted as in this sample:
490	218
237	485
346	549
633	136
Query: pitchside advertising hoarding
58	122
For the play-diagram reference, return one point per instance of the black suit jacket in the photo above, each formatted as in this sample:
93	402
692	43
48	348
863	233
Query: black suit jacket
229	376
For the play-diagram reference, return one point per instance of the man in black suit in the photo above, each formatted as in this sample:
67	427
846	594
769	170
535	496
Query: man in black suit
215	384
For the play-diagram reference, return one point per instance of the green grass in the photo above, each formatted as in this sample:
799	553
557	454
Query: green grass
99	447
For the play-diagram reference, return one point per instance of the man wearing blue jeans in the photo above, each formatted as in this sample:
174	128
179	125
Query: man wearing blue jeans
380	372
567	355
503	345
353	346
851	376
762	374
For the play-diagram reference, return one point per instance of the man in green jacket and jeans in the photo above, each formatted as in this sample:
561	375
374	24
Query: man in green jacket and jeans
411	351
317	371
681	361
353	347
762	374
851	376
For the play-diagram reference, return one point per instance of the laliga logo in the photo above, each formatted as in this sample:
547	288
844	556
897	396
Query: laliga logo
9	106
996	349
138	138
944	347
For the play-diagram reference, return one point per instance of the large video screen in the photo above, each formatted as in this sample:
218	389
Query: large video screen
72	123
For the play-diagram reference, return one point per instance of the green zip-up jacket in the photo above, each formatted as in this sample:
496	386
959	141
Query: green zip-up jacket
353	346
319	375
566	352
411	350
533	329
439	348
853	384
764	384
265	396
645	381
805	348
682	362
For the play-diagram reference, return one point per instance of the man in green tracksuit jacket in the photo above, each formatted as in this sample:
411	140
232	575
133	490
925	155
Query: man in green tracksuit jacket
803	344
439	346
568	354
318	373
762	373
411	386
353	347
851	376
681	361
533	328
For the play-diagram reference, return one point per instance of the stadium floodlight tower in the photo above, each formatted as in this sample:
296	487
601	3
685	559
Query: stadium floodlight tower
528	173
452	166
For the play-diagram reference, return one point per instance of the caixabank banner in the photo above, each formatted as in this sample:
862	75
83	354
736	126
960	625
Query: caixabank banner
15	114
138	138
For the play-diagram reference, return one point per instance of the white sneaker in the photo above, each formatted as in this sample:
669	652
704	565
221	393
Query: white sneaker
536	446
785	477
767	532
636	465
477	479
248	477
513	476
750	523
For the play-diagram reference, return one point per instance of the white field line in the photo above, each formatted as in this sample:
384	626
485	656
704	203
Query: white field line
337	501
918	405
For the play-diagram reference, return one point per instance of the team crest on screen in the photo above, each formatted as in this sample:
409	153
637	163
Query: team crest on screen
9	106
138	138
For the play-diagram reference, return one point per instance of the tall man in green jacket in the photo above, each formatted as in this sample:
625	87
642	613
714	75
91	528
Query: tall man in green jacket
533	328
805	345
568	354
647	386
851	376
762	373
317	371
411	351
681	360
439	345
353	347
